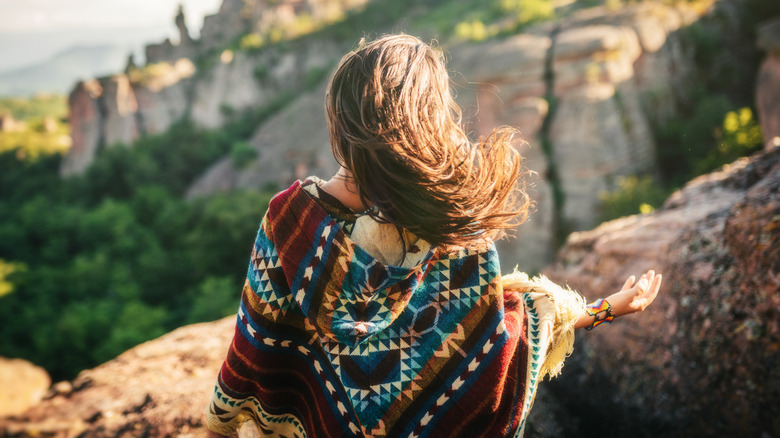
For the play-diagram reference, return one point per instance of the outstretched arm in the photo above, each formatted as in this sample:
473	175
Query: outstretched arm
631	297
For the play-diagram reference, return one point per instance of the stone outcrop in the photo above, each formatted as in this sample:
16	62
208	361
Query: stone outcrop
168	51
22	385
701	361
507	86
148	99
583	91
307	152
117	109
604	66
768	84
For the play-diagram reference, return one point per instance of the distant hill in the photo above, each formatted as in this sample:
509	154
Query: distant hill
60	73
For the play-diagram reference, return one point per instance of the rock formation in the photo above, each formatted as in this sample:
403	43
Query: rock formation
597	66
159	388
609	76
768	84
168	51
192	80
701	361
308	151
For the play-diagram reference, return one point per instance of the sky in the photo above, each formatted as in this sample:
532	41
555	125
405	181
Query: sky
34	30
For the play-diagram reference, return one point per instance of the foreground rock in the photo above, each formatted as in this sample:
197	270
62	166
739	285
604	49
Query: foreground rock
22	385
702	361
159	388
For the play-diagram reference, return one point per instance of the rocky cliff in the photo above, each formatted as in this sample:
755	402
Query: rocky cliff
609	75
159	388
701	361
208	79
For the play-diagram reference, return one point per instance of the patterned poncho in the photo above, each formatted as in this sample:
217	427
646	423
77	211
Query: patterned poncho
331	341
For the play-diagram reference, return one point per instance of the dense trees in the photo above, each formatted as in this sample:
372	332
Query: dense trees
98	263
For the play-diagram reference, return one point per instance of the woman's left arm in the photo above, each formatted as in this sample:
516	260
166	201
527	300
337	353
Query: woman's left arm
630	299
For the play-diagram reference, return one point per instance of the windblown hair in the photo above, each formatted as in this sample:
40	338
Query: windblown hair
395	126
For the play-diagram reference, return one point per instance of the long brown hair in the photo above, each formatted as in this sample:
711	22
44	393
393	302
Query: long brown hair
395	126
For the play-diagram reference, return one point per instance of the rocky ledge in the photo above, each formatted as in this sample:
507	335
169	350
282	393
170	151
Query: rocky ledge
159	388
702	360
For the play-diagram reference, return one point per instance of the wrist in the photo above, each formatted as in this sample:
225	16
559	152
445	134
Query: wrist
594	314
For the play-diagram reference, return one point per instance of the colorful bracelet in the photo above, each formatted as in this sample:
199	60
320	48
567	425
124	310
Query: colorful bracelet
595	309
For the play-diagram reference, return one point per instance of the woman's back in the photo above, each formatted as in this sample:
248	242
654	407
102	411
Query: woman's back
333	342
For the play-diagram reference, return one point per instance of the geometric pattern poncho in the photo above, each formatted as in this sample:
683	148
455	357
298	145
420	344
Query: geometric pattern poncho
330	342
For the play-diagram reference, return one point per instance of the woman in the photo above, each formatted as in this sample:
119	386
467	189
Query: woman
374	304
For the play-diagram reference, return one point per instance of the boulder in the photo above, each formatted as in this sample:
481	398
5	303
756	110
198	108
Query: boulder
701	361
159	388
22	385
162	388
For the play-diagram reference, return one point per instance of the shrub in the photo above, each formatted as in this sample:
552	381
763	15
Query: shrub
635	194
242	154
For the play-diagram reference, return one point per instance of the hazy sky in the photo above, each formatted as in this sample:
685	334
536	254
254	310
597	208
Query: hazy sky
32	31
50	15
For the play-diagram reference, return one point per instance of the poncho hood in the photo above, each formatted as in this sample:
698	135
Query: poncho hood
345	292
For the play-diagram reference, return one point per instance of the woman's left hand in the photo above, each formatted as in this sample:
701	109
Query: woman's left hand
635	297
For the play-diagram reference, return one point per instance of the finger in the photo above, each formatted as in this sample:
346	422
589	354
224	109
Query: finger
649	296
656	285
629	282
642	285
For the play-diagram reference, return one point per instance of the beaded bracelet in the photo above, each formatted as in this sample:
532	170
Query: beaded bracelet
595	309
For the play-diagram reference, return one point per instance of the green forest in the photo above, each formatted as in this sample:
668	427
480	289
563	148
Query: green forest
91	265
94	264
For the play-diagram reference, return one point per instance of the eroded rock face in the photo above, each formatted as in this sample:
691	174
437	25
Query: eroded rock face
597	66
160	388
506	86
610	75
306	151
701	361
603	67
